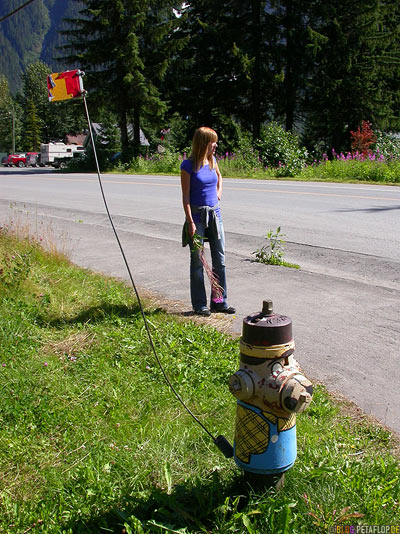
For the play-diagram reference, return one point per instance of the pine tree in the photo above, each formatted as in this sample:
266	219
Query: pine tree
125	47
9	123
306	63
355	52
388	64
32	134
224	72
291	58
245	60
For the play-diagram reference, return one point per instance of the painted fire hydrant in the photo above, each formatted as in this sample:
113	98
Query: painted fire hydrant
270	390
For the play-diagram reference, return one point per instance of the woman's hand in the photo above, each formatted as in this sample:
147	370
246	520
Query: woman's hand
191	229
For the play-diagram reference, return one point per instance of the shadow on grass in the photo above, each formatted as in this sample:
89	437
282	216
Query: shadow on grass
192	506
97	314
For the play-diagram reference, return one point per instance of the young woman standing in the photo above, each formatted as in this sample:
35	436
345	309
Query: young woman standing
201	183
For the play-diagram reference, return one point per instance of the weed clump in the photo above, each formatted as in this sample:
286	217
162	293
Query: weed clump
273	251
15	259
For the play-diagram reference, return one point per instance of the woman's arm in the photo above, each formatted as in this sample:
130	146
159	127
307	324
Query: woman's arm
185	185
219	183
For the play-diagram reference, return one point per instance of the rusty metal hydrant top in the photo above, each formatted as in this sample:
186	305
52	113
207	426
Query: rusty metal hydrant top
267	334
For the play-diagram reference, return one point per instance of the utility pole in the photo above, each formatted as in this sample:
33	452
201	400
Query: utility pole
13	130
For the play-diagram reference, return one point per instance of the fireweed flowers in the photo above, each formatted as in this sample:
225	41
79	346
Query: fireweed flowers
357	156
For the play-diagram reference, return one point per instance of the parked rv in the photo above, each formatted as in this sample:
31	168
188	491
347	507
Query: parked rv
58	154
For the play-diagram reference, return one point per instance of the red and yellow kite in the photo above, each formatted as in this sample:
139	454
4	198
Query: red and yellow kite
65	85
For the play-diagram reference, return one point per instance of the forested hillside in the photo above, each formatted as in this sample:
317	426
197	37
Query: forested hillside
318	69
30	35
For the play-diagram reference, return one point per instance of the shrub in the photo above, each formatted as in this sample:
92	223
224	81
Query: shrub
388	145
245	157
173	136
87	163
279	148
363	138
168	161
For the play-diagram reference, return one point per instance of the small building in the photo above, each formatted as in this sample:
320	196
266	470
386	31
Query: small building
84	137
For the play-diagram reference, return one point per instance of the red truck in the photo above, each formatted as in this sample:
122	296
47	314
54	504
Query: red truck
20	160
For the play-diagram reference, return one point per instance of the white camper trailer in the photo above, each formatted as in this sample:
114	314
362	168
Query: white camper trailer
58	154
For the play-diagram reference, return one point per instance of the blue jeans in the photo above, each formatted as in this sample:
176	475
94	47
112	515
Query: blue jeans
217	248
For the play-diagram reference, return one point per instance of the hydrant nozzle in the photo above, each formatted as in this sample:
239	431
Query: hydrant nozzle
267	308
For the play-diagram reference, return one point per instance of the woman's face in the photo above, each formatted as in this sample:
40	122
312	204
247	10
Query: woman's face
211	148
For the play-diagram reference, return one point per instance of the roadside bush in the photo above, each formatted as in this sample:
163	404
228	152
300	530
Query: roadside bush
86	162
245	158
167	161
388	145
363	138
280	149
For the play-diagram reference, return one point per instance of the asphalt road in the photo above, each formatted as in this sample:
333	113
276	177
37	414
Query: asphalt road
344	302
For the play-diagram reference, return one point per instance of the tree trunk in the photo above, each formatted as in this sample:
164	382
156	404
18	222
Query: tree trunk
136	128
124	132
290	84
256	81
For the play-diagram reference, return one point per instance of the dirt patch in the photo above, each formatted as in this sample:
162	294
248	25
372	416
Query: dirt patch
70	346
179	309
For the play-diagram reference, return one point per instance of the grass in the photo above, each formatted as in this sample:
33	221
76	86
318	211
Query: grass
353	171
92	441
358	171
347	171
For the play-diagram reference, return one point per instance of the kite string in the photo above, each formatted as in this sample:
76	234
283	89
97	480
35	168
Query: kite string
220	441
133	283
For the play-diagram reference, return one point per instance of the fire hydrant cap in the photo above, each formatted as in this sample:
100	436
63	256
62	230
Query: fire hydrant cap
267	328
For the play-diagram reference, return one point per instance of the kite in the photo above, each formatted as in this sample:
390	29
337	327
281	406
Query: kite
65	85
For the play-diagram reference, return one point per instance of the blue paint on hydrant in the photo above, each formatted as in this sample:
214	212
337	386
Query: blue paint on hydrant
270	390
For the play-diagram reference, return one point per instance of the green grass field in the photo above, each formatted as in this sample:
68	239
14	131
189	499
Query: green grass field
337	170
92	440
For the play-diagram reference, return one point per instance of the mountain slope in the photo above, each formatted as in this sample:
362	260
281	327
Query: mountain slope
30	35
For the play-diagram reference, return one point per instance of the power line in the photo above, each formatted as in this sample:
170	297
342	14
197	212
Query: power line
16	10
